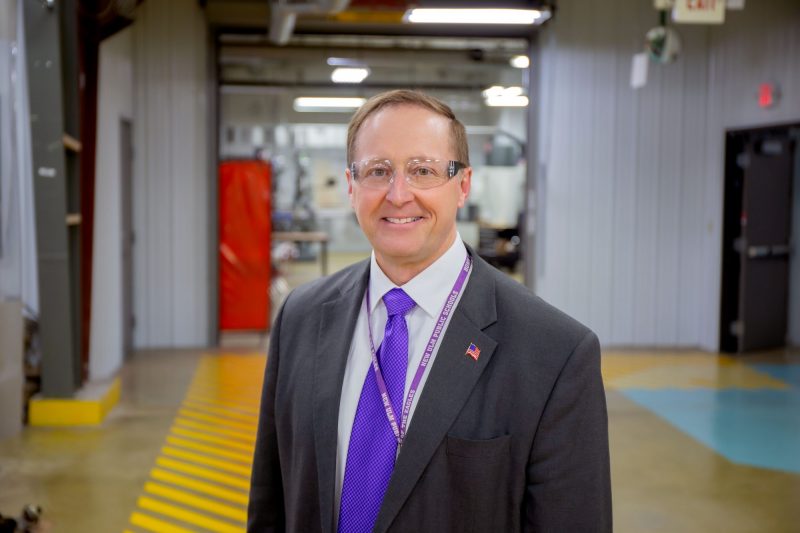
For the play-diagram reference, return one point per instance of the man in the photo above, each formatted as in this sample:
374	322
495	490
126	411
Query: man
423	390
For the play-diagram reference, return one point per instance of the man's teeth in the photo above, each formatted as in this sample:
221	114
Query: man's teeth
402	220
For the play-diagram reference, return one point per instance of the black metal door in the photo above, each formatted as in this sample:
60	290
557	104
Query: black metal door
126	193
764	243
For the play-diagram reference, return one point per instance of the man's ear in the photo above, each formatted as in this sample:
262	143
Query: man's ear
464	186
349	177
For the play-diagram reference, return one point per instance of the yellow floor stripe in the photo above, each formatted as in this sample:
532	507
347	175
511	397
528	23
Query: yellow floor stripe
230	383
207	461
201	478
247	437
233	380
154	524
228	405
227	443
199	471
183	443
190	517
199	486
188	413
198	502
221	411
235	391
246	405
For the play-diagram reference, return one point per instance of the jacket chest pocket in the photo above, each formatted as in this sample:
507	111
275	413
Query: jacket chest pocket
479	480
497	447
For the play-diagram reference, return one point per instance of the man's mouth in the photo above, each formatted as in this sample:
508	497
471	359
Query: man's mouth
406	220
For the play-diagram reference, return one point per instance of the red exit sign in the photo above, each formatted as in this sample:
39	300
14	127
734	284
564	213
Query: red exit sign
699	11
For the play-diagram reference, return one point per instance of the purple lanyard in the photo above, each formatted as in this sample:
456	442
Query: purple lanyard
400	432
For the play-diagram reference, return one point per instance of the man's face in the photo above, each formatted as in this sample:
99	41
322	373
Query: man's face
408	228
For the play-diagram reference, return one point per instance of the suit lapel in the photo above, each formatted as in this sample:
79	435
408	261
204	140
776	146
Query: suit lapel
451	380
333	344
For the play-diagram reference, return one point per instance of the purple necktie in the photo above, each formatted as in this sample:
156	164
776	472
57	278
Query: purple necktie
373	447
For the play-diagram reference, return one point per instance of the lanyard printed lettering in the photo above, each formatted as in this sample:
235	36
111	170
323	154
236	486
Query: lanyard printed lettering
400	431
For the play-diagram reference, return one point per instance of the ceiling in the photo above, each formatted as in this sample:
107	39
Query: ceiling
462	64
456	64
365	17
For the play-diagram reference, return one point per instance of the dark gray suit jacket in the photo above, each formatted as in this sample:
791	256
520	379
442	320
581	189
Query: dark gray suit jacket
515	441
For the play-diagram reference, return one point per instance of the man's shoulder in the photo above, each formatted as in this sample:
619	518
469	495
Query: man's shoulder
521	309
330	287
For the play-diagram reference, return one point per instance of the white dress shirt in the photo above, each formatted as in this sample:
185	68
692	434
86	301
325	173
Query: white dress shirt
429	289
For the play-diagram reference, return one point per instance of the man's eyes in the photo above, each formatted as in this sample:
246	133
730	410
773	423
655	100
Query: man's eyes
424	172
378	172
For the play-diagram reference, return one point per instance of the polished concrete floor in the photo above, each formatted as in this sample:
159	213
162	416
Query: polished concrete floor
699	442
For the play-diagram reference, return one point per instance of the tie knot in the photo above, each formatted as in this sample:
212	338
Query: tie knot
398	302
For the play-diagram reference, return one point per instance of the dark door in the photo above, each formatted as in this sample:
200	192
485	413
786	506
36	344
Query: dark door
764	251
756	235
126	208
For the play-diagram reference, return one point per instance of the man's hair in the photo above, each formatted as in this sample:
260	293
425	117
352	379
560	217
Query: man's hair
458	134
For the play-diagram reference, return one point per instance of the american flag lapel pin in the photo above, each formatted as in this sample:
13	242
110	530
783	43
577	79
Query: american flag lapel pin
473	351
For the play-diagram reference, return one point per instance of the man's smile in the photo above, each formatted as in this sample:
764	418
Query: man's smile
407	220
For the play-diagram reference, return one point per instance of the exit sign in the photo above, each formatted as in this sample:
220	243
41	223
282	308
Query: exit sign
699	11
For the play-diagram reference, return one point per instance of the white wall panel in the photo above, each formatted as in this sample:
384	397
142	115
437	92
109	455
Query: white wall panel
630	202
114	102
170	175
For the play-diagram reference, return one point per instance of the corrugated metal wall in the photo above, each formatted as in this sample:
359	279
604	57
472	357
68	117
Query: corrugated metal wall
630	183
170	175
114	102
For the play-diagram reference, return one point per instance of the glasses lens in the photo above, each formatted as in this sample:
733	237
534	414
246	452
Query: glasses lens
419	173
426	173
374	173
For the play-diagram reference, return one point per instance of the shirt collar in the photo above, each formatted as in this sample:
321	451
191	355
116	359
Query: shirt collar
429	288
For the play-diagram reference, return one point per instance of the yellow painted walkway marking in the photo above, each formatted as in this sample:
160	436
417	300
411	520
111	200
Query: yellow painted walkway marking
207	461
154	524
205	473
217	420
190	517
228	443
199	502
201	479
226	393
222	411
211	489
211	450
210	428
227	405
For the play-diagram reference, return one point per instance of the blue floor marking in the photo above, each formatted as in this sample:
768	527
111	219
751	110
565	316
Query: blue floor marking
753	427
787	373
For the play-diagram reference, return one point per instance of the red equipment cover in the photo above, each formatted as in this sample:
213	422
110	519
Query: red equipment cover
244	245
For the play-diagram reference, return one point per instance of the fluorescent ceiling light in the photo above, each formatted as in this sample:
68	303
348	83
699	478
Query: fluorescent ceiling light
520	62
497	96
332	104
349	75
475	16
345	62
497	90
507	101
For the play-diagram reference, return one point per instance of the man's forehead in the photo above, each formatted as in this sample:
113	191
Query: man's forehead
399	109
406	131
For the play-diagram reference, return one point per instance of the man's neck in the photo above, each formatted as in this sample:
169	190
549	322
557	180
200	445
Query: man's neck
401	273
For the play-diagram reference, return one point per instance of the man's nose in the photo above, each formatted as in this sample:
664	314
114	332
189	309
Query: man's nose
400	192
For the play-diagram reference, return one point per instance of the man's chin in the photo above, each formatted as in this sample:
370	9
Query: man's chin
399	255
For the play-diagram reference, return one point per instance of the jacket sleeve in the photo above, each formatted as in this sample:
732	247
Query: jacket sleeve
265	511
568	472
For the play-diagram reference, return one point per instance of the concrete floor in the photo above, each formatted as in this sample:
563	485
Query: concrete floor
699	442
